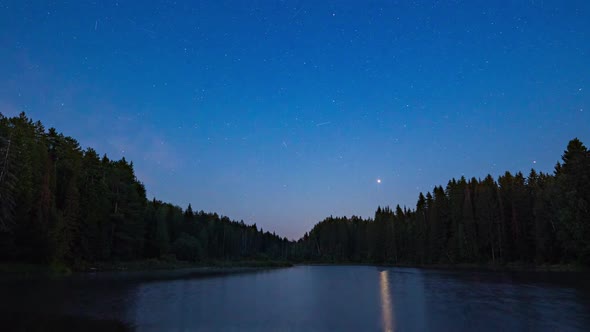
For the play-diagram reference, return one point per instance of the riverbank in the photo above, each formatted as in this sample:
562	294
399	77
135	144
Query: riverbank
172	269
42	322
520	267
157	264
142	267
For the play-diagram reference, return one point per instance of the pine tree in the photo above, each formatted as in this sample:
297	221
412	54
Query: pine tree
573	181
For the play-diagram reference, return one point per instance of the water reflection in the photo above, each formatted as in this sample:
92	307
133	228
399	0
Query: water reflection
76	303
386	307
303	298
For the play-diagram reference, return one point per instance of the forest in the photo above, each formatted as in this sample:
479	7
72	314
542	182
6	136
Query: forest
537	219
64	205
60	204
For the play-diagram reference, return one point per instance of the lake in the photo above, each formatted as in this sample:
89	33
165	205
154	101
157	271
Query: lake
307	298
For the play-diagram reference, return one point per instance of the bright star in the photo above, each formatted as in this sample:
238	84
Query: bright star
378	180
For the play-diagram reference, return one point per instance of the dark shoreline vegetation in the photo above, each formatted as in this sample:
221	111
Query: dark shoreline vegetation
37	322
215	267
70	209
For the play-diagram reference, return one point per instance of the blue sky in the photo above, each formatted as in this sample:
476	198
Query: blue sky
281	113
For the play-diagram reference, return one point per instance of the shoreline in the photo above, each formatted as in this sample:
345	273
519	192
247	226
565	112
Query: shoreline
145	269
166	270
509	267
158	265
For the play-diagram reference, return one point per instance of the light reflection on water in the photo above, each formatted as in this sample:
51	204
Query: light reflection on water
386	304
312	298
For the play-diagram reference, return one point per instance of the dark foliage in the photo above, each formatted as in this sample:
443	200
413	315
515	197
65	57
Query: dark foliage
61	205
539	219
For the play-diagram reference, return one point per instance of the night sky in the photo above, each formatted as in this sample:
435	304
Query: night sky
282	113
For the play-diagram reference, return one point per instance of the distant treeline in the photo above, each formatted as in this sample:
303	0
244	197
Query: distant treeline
540	219
60	204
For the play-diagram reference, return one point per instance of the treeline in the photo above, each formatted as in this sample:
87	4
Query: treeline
541	219
60	204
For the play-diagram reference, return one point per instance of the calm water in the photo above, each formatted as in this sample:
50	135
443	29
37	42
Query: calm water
317	298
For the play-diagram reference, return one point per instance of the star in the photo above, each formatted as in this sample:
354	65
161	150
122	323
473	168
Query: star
378	180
